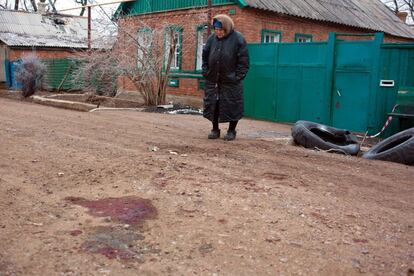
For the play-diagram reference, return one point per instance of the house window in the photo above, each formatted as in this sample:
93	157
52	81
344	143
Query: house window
303	38
173	38
271	36
202	36
144	41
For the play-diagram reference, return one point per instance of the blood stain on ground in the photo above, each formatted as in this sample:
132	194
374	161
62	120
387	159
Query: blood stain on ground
119	243
129	210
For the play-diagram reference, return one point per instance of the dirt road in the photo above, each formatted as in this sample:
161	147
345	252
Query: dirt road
134	193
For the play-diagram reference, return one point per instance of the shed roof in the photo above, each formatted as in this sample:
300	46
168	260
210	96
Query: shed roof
368	14
18	28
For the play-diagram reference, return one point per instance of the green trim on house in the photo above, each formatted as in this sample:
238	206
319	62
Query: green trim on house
298	35
143	31
180	30
201	84
273	32
173	82
242	3
140	7
199	28
186	74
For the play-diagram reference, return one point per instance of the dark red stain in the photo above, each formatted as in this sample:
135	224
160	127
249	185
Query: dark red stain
112	253
338	105
360	240
75	233
128	210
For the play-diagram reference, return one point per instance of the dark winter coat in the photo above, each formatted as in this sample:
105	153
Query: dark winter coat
225	65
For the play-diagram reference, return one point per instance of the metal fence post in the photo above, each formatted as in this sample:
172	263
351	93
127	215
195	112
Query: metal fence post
330	71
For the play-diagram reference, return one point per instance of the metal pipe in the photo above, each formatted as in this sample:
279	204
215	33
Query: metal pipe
209	17
116	109
89	27
94	5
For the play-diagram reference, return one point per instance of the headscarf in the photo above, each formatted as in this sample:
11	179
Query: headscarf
226	22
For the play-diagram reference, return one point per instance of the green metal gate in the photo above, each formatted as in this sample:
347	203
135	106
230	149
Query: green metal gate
59	74
337	82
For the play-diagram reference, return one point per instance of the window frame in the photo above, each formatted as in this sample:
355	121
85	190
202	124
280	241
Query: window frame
143	31
179	30
268	31
198	48
300	35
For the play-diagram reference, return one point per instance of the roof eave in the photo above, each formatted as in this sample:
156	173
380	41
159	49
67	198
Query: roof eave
328	21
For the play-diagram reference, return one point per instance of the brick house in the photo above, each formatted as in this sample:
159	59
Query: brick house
264	21
49	36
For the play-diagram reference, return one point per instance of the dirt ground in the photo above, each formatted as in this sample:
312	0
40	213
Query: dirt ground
135	193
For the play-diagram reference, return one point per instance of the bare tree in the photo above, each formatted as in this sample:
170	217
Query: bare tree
393	5
19	5
401	5
144	54
409	5
25	5
83	3
5	5
52	5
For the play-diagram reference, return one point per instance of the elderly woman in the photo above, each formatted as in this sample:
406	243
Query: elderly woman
225	65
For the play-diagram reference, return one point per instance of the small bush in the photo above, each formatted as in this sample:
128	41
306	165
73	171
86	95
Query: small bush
30	74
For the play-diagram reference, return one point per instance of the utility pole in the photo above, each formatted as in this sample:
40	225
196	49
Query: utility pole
209	17
89	6
89	27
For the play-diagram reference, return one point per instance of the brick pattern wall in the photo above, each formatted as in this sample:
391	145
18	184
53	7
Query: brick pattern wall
250	22
15	54
188	87
189	20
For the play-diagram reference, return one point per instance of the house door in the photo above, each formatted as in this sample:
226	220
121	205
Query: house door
352	84
351	100
2	63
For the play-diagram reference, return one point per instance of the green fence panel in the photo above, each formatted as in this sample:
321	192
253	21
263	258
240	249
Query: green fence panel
59	74
315	99
260	93
301	82
351	100
352	84
337	82
289	96
287	82
397	63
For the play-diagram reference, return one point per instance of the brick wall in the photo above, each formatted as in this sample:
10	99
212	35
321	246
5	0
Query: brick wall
250	22
15	54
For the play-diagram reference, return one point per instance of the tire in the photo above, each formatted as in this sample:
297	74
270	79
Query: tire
317	136
398	148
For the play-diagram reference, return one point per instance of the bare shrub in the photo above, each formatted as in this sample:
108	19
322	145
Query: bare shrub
30	74
97	73
145	53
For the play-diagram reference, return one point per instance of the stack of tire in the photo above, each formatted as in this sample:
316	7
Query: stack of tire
398	148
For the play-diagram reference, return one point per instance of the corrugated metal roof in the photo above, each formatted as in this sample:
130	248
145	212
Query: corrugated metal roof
368	14
32	29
